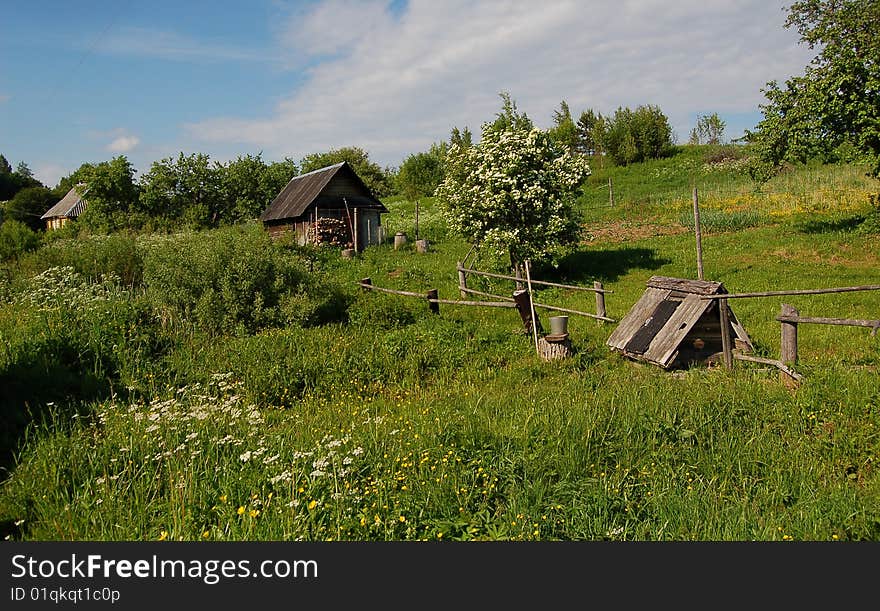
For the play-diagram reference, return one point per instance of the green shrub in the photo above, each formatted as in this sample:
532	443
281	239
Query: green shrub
16	238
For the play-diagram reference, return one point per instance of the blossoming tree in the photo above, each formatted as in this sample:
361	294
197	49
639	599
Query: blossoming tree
513	193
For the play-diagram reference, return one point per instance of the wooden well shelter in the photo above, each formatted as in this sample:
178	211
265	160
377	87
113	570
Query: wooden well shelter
335	195
672	326
67	209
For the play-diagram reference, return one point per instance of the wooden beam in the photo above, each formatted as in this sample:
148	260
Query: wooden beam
485	304
541	282
843	289
874	325
532	306
578	312
725	334
476	292
779	365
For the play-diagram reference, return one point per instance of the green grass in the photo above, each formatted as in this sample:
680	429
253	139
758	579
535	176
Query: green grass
395	423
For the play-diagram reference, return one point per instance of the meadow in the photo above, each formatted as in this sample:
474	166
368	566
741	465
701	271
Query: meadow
220	386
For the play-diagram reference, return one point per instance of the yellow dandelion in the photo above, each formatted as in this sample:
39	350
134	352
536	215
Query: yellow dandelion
222	498
163	535
240	510
312	504
206	534
254	513
403	518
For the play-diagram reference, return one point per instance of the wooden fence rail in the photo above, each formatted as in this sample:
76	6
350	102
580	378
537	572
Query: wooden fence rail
592	289
843	289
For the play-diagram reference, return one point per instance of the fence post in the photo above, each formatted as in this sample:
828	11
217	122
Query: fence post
366	281
789	351
462	280
600	300
433	306
726	347
610	193
698	234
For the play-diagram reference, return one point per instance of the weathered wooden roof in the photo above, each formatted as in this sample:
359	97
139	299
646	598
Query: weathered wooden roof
70	206
312	188
656	325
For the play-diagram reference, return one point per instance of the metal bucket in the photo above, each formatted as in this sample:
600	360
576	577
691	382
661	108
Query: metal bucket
558	325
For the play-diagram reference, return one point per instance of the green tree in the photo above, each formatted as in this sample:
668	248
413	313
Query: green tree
421	173
837	99
564	131
463	138
513	192
249	185
708	130
29	205
187	189
112	193
631	136
11	182
376	179
586	132
509	117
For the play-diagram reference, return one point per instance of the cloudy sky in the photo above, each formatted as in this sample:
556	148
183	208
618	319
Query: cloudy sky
87	81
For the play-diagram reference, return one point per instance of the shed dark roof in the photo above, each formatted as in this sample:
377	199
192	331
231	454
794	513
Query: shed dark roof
304	190
70	206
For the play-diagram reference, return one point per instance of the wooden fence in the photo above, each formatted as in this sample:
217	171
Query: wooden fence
597	288
789	319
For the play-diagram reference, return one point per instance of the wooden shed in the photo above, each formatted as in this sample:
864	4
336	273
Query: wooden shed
334	197
66	210
672	327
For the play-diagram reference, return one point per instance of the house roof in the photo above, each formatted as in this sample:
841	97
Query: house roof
312	188
71	205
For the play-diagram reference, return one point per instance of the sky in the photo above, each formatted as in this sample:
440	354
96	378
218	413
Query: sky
88	81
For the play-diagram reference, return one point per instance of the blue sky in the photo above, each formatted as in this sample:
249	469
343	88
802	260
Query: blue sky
86	81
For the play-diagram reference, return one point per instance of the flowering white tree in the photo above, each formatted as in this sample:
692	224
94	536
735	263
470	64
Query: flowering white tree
513	193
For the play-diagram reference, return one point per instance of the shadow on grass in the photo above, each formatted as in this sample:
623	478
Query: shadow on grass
607	265
36	392
850	223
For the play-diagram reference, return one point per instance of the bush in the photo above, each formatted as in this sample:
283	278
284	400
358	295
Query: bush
96	257
16	239
235	280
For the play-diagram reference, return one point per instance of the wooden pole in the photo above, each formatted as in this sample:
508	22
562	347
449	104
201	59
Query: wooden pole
433	303
541	282
357	247
844	289
726	347
789	351
532	307
462	280
600	299
417	220
698	236
518	275
610	193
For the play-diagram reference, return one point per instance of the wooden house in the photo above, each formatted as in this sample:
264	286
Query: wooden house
66	210
334	196
671	326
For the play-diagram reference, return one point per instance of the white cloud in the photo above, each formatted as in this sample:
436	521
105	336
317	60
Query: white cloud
50	173
169	45
404	81
122	142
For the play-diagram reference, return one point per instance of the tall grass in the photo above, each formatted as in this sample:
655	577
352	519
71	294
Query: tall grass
388	422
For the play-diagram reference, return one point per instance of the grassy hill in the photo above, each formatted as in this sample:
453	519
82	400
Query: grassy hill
333	413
